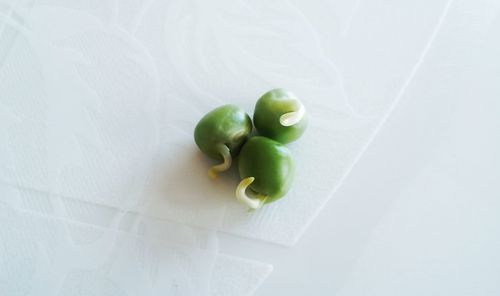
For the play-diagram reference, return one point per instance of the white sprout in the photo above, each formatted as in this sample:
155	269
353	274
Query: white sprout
225	165
294	117
241	195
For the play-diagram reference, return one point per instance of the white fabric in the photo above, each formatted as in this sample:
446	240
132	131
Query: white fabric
211	273
101	97
43	255
238	276
419	214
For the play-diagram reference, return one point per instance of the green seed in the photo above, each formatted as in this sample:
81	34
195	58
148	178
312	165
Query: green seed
280	115
221	133
266	168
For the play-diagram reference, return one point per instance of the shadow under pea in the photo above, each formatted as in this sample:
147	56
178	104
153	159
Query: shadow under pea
183	189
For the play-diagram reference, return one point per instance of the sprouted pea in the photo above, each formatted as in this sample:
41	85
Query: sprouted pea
220	135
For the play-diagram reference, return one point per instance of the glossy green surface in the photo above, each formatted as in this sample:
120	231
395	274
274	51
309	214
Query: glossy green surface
270	163
268	111
227	125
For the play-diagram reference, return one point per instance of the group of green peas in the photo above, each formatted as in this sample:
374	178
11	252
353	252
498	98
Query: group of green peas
265	164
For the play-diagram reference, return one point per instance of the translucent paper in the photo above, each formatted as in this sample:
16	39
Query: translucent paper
443	209
238	276
188	257
80	102
100	98
43	255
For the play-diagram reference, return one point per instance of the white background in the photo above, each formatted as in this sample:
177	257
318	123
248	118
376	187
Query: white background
420	212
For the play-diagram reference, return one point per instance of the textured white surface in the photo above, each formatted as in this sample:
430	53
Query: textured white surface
96	88
237	276
215	274
420	212
419	215
42	255
210	273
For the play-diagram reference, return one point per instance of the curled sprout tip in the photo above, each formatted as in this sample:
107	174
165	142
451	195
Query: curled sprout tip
226	164
294	117
242	197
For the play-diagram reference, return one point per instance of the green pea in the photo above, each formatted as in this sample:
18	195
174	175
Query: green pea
221	133
266	168
280	115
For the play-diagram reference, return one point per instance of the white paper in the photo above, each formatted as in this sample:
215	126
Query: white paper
440	235
238	276
42	255
227	275
98	107
111	218
82	105
87	125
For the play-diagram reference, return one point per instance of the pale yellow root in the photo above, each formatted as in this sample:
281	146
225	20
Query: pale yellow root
294	117
224	166
252	203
